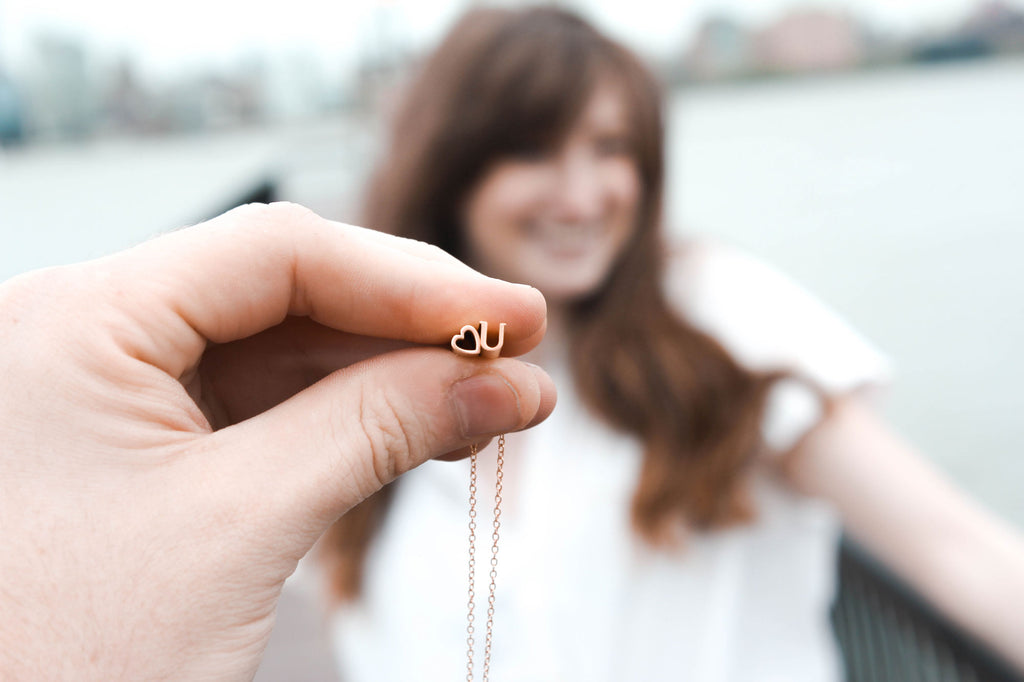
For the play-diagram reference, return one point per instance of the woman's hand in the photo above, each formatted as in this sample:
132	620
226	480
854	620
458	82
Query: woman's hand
180	422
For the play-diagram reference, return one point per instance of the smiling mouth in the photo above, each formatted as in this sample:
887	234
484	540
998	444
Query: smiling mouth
567	241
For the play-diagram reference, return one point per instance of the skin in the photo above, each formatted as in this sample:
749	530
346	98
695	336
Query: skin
966	561
182	421
559	219
892	500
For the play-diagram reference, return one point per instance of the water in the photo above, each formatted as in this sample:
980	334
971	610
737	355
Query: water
898	198
894	196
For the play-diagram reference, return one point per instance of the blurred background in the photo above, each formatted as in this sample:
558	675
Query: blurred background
872	149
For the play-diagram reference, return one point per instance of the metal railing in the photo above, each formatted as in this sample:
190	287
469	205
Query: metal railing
888	633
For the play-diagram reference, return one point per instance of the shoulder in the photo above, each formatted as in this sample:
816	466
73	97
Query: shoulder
766	320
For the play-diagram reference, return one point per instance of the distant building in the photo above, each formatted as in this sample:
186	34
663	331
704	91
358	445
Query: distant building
810	39
12	127
996	23
722	47
127	106
62	100
384	61
992	27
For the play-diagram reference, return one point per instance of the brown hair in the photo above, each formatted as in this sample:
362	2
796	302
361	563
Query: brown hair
507	80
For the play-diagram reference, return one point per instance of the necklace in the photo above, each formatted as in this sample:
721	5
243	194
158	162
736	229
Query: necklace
489	636
476	343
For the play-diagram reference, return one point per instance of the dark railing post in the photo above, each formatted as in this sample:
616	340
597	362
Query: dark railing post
888	633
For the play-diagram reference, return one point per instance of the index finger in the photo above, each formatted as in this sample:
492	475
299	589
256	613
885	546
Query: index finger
247	270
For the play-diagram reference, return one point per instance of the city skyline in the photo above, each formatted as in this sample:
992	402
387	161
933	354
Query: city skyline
169	38
72	86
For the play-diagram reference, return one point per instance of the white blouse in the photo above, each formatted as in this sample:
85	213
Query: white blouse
579	597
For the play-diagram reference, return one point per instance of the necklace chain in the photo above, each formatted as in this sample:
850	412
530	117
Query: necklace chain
470	618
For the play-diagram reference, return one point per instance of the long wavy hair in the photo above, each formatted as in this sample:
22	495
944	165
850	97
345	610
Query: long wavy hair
507	80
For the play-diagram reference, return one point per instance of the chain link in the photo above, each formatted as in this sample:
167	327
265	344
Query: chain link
470	629
470	618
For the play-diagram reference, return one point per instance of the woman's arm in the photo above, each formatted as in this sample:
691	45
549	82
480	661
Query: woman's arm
962	558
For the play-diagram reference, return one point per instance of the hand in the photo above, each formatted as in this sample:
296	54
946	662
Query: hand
181	421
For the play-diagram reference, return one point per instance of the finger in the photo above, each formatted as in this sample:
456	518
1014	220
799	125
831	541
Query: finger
248	269
547	406
243	378
327	448
414	247
240	379
431	252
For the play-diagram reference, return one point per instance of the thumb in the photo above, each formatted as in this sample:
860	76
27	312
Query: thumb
311	458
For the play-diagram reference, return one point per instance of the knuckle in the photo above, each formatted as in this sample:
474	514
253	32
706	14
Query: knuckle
278	215
384	425
289	213
40	319
279	221
435	251
20	289
35	284
246	213
40	295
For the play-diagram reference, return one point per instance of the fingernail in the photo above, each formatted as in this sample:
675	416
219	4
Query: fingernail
487	404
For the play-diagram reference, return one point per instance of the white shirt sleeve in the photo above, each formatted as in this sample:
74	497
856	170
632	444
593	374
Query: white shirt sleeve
768	321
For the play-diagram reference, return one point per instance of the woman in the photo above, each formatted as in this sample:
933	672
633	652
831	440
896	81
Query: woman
677	516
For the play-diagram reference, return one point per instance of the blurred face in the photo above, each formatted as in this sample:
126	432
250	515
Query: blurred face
558	219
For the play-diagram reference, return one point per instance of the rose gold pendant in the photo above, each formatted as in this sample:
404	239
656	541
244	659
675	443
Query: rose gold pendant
471	341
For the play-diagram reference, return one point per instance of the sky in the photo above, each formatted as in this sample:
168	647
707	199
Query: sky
179	33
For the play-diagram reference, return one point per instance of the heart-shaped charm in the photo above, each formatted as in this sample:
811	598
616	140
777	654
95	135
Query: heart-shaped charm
464	344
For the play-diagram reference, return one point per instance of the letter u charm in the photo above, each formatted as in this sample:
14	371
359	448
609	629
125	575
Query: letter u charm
487	350
470	342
